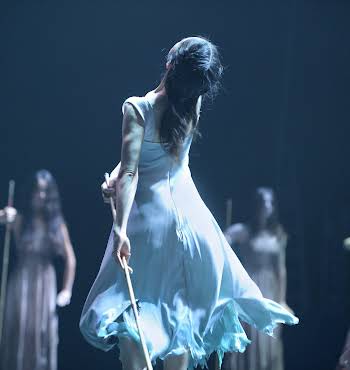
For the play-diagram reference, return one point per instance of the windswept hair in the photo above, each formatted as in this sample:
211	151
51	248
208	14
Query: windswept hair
194	70
272	222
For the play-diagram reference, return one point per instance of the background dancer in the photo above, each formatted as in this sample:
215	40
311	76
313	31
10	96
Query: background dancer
30	335
261	246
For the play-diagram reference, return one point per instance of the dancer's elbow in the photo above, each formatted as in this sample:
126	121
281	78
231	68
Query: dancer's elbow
128	172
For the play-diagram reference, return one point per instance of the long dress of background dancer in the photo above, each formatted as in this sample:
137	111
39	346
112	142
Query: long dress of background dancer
260	244
30	332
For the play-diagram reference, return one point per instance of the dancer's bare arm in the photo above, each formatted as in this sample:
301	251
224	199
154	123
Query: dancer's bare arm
127	178
236	235
64	296
126	182
281	270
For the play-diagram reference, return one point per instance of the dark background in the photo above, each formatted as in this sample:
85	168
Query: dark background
282	120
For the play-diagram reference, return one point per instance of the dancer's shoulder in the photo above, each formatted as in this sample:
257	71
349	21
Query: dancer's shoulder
237	233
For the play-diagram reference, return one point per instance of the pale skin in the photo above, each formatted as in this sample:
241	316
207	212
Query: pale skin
122	187
64	296
9	215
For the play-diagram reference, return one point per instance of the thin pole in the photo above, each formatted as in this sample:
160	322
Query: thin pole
228	212
131	290
5	259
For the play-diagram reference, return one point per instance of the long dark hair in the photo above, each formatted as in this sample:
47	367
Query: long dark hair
272	222
49	208
194	70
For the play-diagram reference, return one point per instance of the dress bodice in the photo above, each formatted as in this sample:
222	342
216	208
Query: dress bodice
261	251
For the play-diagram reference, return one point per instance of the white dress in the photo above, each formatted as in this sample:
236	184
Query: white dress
191	288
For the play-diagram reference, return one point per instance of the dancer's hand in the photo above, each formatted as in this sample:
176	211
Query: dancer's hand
63	298
121	247
108	191
8	215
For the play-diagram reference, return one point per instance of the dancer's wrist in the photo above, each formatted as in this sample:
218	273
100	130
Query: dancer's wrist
119	230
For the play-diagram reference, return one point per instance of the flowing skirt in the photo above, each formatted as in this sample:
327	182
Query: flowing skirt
191	288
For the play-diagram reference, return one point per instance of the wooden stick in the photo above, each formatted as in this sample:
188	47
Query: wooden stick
228	212
126	269
5	260
136	314
111	201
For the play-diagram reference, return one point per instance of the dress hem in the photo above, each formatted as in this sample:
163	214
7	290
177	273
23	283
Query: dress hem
226	334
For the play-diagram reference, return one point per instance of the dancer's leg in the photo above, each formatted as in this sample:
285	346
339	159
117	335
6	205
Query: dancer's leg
131	355
176	362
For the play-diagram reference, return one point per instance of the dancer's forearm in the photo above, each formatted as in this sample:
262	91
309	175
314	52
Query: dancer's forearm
282	270
126	186
126	182
68	275
70	261
283	284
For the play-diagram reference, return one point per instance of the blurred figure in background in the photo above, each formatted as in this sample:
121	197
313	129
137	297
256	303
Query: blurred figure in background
344	360
30	332
260	245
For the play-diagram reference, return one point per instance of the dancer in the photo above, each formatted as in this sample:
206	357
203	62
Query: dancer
192	289
344	360
261	245
30	335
